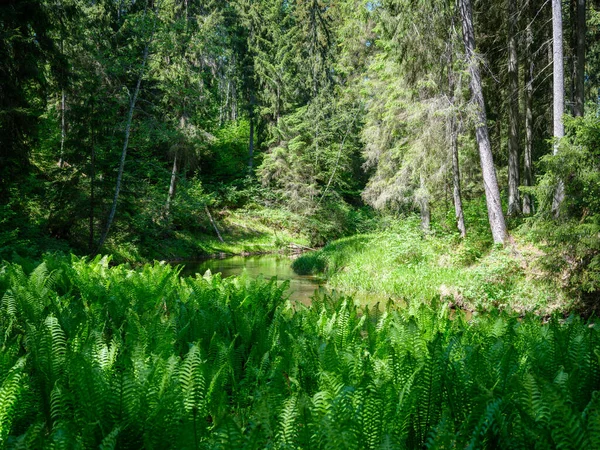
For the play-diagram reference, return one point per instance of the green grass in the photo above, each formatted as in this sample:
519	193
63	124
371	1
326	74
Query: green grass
100	356
244	231
407	265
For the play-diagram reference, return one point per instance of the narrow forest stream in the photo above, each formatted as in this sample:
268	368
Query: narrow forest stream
302	287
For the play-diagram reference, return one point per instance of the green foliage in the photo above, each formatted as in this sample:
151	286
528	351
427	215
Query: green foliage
404	263
95	355
227	157
572	242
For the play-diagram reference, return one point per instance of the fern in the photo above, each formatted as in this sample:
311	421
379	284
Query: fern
10	392
110	441
288	430
94	355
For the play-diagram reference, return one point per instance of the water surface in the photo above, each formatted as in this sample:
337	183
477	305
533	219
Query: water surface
302	287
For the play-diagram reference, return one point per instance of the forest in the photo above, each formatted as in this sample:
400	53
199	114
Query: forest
432	167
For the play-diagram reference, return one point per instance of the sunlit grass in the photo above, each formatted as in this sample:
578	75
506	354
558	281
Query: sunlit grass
244	231
406	264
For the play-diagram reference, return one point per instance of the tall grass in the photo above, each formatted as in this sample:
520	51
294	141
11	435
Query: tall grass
95	356
405	264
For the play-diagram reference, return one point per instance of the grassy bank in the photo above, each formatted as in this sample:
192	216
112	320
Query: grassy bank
99	356
405	264
246	230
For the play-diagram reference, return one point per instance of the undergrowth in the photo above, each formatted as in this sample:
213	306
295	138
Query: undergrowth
247	230
403	263
99	356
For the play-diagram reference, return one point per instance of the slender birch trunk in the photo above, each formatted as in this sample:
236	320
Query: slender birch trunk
172	186
492	192
558	93
456	194
514	204
113	208
213	223
580	64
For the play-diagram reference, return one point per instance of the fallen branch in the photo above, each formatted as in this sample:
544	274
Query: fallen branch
293	245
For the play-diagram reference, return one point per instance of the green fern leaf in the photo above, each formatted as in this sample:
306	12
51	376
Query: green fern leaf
10	392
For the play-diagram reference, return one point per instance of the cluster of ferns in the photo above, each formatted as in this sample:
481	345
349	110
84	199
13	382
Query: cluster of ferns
94	356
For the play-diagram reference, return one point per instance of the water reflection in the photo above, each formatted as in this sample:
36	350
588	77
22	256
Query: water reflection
302	287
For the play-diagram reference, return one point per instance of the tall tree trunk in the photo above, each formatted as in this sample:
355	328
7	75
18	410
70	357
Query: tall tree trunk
175	169
580	57
458	208
558	93
492	192
277	109
571	56
172	185
514	204
63	129
527	157
213	223
233	103
63	97
456	195
113	208
423	200
222	102
251	144
92	181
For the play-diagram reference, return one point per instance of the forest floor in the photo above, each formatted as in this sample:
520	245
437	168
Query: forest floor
406	265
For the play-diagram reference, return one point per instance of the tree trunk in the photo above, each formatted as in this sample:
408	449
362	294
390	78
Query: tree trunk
172	185
492	192
277	111
63	129
527	157
424	206
233	103
514	206
458	208
571	56
113	208
92	180
558	93
213	223
456	195
580	63
251	144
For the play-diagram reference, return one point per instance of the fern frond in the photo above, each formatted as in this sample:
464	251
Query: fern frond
484	424
10	392
110	440
288	429
192	381
58	344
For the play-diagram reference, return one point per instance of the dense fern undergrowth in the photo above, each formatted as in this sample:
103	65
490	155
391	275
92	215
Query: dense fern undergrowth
95	356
